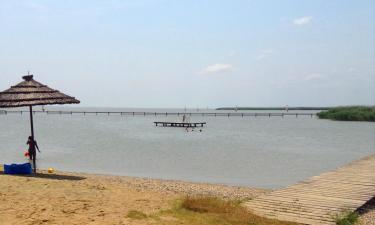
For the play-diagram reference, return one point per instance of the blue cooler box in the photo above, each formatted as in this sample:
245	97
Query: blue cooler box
18	169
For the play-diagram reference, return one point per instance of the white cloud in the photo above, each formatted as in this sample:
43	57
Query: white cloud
302	20
217	68
264	54
315	77
36	6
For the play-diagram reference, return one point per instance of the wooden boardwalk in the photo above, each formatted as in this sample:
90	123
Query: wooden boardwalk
320	199
203	114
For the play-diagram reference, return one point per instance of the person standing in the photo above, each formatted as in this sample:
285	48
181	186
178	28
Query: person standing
33	145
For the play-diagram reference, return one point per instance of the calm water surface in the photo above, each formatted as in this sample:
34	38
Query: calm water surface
261	152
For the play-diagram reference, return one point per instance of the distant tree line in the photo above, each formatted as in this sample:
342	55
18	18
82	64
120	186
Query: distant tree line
273	108
349	113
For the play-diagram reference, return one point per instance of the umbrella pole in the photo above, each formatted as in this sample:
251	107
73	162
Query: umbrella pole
32	135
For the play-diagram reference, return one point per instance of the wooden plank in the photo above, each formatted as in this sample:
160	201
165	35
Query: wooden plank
286	211
321	198
307	201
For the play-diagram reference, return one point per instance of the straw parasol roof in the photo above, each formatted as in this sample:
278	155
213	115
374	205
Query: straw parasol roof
30	93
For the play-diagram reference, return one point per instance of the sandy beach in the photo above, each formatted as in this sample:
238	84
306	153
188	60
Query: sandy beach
75	198
78	198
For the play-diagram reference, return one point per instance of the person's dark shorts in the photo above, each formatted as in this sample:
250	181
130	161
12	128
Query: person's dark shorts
32	154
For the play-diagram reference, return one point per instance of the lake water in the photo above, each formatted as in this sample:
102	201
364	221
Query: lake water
250	151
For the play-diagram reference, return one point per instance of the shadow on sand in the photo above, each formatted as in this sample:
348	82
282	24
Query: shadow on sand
48	176
369	206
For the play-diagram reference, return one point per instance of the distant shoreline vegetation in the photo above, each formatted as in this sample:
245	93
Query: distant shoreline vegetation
274	108
349	113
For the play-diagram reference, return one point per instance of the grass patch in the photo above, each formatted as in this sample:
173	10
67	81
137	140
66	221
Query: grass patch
207	204
135	214
349	218
209	210
349	113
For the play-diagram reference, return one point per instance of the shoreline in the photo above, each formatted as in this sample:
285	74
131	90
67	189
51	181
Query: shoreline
180	187
167	186
163	180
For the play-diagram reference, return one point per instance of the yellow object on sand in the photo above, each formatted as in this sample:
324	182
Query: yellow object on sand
51	170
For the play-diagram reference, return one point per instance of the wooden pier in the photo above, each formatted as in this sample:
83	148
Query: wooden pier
321	199
202	114
177	124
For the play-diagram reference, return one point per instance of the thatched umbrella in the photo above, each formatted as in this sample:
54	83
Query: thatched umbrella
30	93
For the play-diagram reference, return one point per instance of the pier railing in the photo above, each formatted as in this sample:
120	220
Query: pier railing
203	114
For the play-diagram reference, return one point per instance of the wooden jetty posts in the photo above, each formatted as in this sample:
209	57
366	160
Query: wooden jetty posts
177	124
321	199
202	114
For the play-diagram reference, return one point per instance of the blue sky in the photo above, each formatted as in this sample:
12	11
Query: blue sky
166	53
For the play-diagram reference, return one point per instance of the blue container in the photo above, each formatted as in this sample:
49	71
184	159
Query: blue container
18	169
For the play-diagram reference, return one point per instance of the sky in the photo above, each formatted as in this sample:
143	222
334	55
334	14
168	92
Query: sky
207	53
